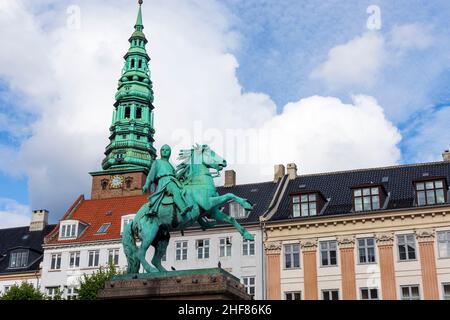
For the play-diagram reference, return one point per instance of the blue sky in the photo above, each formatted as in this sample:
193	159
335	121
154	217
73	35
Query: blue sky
286	50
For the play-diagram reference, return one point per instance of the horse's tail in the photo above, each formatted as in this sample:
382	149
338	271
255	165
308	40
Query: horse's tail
130	249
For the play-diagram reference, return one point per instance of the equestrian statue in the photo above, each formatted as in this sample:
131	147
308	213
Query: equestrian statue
183	196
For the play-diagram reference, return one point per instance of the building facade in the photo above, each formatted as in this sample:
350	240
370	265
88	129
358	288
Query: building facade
21	252
381	233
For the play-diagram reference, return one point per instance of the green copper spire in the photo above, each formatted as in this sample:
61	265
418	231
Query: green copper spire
131	132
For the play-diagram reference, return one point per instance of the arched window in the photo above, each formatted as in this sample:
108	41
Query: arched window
104	184
127	112
138	113
132	63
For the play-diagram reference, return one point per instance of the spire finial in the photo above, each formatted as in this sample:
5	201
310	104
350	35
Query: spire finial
140	2
139	26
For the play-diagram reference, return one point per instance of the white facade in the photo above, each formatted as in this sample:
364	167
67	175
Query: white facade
241	265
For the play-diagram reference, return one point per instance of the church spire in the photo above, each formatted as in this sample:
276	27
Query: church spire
139	26
131	132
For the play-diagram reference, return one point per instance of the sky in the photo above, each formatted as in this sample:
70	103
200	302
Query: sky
328	85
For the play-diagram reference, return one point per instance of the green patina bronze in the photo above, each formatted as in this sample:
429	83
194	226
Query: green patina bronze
199	202
131	132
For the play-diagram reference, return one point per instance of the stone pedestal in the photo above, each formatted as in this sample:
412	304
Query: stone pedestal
199	284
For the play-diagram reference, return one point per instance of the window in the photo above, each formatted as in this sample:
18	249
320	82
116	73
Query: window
443	239
6	289
237	211
94	258
406	247
181	250
225	247
295	295
72	293
331	294
138	113
446	291
68	230
430	192
132	63
74	260
366	199
126	220
103	228
127	112
249	283
52	292
113	257
55	262
304	205
248	248
104	184
18	259
202	249
328	253
410	292
291	256
366	250
140	64
369	294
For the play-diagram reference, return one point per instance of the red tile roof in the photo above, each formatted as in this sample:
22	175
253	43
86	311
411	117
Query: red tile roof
93	213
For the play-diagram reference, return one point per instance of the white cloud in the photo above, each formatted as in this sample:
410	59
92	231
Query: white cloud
70	80
356	62
13	214
410	36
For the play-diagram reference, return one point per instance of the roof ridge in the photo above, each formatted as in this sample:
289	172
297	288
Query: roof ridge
248	184
119	197
373	168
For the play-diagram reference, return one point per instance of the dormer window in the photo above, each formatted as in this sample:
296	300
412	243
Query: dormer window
237	211
68	230
308	204
18	259
367	198
430	192
125	221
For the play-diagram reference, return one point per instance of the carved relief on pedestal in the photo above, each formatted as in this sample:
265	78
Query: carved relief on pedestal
347	241
425	235
273	247
385	238
308	244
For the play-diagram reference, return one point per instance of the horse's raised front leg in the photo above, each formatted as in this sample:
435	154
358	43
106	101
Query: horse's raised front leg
148	232
214	202
220	216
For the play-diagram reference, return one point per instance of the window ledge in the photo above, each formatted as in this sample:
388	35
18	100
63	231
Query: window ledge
55	270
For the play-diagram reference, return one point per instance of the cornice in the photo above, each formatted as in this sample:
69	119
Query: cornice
387	216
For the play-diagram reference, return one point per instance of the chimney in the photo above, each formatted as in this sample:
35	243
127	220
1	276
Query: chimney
446	155
230	178
39	220
279	172
292	171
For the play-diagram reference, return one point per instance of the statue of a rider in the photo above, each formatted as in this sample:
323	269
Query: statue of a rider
163	174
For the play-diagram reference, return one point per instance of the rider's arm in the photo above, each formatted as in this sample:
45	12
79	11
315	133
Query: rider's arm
151	177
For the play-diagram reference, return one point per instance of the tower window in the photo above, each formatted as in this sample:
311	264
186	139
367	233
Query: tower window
132	63
104	184
138	113
140	64
127	112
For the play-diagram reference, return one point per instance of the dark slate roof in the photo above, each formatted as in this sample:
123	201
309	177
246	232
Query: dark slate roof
337	186
22	238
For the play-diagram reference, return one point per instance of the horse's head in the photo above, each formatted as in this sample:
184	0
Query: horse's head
211	159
